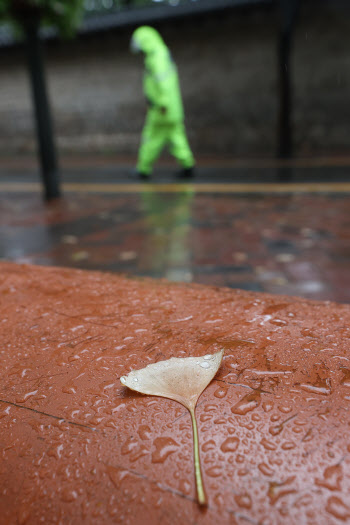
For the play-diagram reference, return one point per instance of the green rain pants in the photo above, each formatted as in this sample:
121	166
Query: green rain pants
157	135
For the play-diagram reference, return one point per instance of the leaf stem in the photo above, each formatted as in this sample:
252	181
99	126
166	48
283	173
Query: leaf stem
197	466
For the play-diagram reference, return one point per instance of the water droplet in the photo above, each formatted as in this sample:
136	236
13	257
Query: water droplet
210	408
55	452
247	403
337	508
69	389
309	435
164	446
25	397
268	444
5	412
220	421
144	432
297	430
207	357
116	475
332	478
278	490
230	444
244	500
69	495
315	389
322	387
265	469
214	472
276	429
278	322
219	500
288	445
204	364
267	406
135	379
123	380
209	445
129	445
220	392
346	377
285	409
185	486
274	308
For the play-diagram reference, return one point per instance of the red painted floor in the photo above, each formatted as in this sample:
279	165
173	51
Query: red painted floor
77	447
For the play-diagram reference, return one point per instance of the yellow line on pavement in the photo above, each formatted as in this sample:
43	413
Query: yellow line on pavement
76	187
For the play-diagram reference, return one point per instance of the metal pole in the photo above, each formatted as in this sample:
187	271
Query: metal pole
44	128
289	11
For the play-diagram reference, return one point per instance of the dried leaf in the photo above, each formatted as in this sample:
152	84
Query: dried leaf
183	380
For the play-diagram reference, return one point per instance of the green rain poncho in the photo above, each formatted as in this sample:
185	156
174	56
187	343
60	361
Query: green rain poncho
164	122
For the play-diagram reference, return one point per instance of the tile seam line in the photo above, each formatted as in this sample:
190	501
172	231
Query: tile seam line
46	414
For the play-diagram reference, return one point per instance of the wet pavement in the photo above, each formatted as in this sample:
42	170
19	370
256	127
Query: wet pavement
117	169
229	227
77	447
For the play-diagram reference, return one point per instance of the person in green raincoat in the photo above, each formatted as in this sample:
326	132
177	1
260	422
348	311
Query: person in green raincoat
164	124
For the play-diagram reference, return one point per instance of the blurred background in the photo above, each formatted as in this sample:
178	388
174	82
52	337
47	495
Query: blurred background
227	55
265	85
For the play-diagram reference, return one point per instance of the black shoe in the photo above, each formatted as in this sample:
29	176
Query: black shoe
144	176
186	173
140	175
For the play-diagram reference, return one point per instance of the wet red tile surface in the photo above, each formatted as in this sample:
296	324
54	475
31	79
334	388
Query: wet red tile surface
77	447
294	244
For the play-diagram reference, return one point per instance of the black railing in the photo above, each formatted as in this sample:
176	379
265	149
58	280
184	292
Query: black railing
93	7
106	14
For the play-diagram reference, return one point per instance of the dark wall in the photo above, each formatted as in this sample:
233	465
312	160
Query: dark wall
227	66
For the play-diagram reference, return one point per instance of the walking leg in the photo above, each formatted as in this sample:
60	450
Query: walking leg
179	146
152	142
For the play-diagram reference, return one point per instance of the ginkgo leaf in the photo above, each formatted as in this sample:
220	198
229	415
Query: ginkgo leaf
183	380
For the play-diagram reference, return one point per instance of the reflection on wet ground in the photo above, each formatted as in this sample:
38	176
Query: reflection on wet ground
290	243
